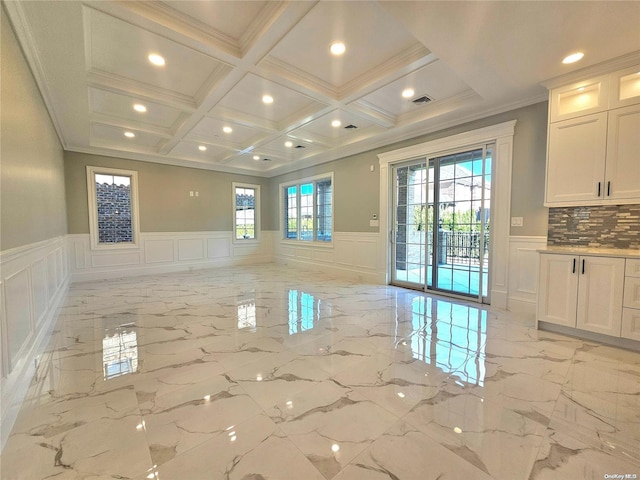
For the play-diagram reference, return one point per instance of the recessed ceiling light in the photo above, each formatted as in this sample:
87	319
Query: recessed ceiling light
574	57
338	48
408	93
267	99
129	134
138	107
202	148
227	129
256	157
336	123
288	144
156	59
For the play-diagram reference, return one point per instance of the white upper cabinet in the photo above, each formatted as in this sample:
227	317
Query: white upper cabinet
580	98
625	88
576	162
623	155
593	146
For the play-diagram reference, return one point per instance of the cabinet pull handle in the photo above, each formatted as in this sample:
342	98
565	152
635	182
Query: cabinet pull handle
608	189
574	266
583	266
599	188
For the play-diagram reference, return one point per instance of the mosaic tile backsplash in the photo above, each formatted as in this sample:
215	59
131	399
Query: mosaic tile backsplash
611	226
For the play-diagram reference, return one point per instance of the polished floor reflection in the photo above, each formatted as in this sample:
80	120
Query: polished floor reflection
256	373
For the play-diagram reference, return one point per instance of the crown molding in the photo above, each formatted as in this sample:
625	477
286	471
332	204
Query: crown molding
618	63
22	29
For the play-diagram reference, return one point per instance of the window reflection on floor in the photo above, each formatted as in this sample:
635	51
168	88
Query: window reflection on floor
247	315
302	311
119	351
452	337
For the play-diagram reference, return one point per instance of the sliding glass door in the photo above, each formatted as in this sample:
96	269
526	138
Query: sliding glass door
441	219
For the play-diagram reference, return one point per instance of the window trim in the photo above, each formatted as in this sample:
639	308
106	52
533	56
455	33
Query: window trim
256	227
93	208
298	182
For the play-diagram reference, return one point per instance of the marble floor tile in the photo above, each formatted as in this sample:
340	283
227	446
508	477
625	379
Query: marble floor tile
267	372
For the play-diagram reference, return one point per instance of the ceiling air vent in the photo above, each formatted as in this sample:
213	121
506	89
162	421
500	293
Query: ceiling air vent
421	100
266	159
300	146
351	127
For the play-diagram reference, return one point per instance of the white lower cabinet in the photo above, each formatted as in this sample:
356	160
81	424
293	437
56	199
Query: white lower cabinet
631	323
583	292
600	291
558	289
631	304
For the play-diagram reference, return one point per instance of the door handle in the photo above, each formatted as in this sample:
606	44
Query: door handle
599	184
583	266
608	188
574	266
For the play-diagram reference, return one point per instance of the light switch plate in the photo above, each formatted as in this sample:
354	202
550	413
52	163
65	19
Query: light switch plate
517	221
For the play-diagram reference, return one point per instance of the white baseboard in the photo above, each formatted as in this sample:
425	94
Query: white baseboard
596	337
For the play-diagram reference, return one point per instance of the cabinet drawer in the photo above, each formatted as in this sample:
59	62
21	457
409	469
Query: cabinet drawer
633	267
631	323
631	292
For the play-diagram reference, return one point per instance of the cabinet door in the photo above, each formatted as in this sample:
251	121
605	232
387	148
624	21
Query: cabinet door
558	289
600	291
632	292
631	323
576	159
623	155
625	87
579	99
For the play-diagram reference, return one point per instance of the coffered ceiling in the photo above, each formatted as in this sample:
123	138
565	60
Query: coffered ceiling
204	107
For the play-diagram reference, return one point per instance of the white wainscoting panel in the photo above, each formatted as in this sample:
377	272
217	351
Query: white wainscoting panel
17	289
33	283
191	248
218	247
164	252
40	289
113	259
159	251
523	273
354	254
